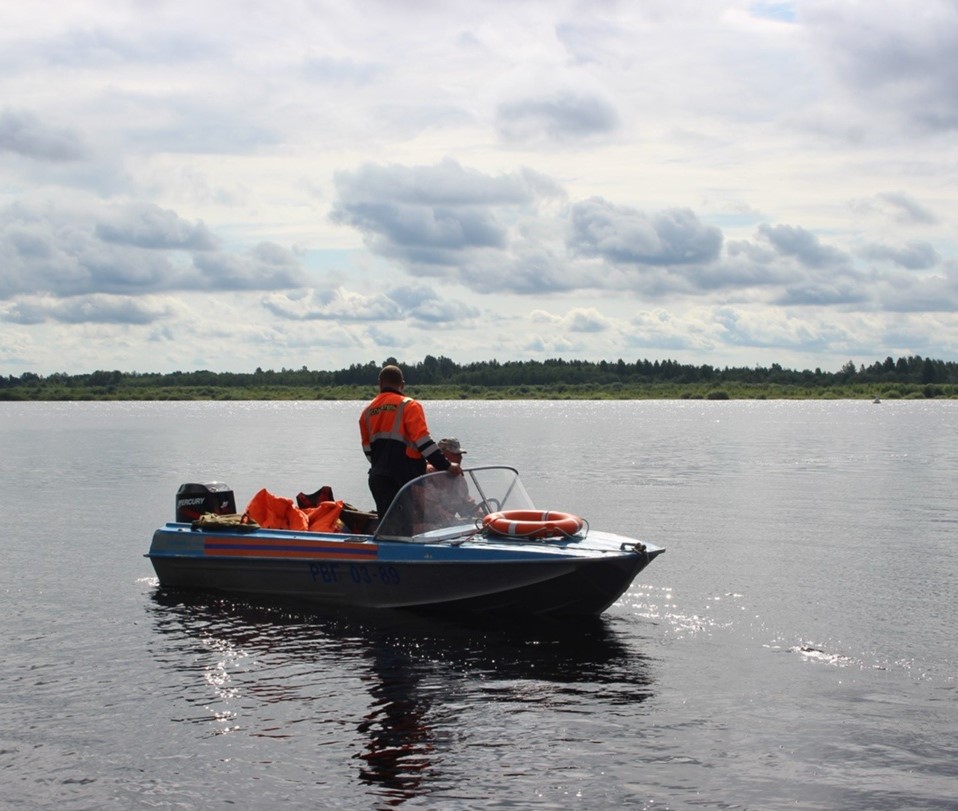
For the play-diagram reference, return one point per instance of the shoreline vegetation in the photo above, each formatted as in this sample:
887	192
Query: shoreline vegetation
443	379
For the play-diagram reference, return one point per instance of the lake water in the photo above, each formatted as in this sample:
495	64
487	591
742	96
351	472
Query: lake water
795	648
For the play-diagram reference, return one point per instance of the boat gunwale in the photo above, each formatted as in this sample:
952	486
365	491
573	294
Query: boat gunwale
548	548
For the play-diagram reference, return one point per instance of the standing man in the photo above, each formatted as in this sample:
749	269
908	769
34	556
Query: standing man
396	440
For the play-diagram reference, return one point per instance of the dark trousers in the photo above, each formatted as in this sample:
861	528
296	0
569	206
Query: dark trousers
384	489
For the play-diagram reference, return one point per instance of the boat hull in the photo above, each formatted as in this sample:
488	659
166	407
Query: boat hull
570	578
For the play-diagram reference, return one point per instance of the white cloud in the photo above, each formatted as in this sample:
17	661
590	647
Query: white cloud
563	116
729	182
897	206
90	309
914	255
145	225
22	133
893	58
624	235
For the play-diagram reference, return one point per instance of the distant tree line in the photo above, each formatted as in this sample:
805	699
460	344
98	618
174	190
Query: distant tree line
916	376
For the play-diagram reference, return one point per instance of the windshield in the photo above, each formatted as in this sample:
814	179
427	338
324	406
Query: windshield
439	505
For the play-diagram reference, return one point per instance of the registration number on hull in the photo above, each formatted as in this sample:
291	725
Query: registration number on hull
358	573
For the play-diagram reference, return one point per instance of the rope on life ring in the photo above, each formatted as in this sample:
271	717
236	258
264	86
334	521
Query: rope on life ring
533	524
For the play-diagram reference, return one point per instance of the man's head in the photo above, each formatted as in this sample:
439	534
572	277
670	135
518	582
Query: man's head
391	378
451	448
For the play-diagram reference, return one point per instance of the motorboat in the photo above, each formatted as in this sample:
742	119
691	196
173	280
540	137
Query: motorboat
473	544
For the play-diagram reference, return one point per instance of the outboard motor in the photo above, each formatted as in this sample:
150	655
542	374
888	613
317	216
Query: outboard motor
193	500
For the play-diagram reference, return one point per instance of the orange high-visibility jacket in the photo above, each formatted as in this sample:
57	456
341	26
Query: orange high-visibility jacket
396	438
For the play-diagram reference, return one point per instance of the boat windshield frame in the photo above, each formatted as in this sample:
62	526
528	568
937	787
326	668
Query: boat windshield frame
440	506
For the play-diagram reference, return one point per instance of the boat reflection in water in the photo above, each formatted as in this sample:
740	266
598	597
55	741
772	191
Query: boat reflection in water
402	681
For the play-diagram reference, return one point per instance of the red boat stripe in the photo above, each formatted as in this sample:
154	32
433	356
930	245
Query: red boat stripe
284	549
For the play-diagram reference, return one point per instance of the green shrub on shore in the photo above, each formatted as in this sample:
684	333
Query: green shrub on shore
671	391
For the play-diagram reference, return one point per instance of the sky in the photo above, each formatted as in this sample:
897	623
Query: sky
240	185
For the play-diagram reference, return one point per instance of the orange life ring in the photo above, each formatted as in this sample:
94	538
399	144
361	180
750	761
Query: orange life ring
532	523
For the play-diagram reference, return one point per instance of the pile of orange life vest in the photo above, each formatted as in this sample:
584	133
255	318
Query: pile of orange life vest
277	512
